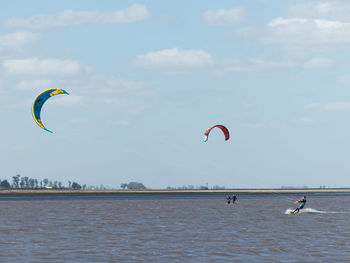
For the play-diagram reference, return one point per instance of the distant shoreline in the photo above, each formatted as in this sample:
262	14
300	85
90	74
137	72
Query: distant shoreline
56	192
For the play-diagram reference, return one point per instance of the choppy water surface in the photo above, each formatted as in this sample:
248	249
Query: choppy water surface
174	229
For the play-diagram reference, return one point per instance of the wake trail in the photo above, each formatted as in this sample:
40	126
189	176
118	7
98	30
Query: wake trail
311	210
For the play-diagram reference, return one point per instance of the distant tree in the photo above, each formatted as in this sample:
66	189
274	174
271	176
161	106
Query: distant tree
5	184
45	182
135	186
188	187
124	186
76	186
15	181
203	187
32	183
26	181
22	183
217	187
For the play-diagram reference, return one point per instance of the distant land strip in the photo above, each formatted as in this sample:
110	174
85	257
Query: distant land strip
63	192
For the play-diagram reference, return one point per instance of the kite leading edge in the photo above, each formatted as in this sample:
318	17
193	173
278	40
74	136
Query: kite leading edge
39	102
221	127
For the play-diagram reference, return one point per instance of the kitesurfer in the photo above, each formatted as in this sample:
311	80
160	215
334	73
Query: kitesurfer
301	202
234	198
228	199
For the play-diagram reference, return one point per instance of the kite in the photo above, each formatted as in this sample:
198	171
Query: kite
39	102
223	128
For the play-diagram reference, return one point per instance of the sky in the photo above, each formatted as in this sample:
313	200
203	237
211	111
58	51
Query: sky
147	78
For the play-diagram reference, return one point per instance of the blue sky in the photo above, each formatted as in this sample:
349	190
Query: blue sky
147	78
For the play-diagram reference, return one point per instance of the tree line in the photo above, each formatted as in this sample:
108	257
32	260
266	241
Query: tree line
192	187
26	182
133	186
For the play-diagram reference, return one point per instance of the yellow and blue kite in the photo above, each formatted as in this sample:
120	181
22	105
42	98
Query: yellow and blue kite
39	102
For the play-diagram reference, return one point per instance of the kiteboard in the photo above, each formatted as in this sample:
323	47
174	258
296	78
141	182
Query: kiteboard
311	210
289	212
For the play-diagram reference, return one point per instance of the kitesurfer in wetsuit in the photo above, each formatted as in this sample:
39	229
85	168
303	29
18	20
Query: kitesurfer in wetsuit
228	198
301	202
234	198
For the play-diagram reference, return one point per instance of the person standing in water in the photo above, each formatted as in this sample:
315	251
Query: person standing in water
228	199
234	198
301	202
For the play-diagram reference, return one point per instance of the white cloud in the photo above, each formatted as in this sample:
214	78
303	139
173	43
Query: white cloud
87	84
318	63
256	125
304	120
174	60
121	123
134	13
2	86
314	105
304	31
223	17
117	85
13	43
18	38
337	106
251	65
287	21
35	84
344	79
67	100
321	9
330	106
44	67
248	105
132	96
101	91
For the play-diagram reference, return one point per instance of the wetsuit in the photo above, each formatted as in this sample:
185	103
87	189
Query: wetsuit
228	199
234	198
302	204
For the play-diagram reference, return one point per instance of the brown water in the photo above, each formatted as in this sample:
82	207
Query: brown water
174	229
